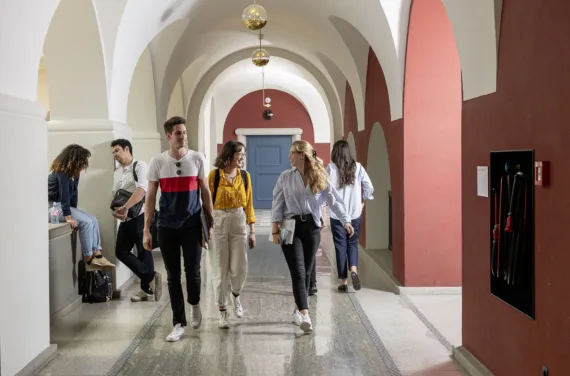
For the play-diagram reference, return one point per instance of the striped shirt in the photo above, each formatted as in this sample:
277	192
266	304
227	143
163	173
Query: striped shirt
291	197
179	203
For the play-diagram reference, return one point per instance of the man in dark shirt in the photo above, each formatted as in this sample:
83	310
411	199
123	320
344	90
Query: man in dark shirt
183	181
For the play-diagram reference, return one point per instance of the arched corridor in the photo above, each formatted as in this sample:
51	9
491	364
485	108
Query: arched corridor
425	92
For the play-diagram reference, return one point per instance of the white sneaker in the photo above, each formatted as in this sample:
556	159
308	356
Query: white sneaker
177	332
306	324
141	296
224	324
238	308
196	315
297	317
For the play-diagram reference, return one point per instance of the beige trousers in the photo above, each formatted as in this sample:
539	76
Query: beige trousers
228	254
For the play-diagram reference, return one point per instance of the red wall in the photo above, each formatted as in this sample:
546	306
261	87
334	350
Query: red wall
288	113
377	109
529	110
432	150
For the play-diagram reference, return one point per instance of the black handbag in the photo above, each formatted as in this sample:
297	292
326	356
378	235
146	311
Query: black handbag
122	196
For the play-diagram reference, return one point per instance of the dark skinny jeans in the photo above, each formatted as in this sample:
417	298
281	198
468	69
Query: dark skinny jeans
300	257
171	240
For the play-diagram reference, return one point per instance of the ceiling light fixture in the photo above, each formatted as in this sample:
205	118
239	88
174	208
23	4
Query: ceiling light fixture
254	17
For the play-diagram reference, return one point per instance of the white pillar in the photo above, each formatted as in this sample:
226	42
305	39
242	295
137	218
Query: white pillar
95	184
24	263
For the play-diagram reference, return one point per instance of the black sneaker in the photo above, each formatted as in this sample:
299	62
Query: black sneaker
343	288
313	291
355	281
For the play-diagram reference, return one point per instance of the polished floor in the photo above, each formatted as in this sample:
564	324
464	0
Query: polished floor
124	338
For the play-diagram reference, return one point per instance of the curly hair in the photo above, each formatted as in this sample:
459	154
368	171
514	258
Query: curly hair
71	160
227	154
342	158
314	167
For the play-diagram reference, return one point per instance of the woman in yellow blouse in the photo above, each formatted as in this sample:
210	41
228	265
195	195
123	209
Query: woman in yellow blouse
233	212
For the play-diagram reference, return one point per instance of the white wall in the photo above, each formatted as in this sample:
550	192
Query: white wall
379	171
79	112
175	108
24	316
142	111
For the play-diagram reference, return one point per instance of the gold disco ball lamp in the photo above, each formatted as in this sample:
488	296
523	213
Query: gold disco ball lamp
254	17
260	57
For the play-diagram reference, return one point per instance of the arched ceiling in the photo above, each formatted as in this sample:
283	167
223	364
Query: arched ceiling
327	33
197	88
243	78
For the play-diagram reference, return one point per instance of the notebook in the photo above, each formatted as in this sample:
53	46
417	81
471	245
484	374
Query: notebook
287	231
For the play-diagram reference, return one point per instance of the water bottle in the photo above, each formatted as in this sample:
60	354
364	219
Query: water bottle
54	214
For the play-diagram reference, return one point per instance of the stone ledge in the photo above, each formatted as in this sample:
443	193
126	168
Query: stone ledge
472	365
39	362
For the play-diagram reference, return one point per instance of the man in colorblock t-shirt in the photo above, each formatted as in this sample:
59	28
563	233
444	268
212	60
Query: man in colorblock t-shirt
183	181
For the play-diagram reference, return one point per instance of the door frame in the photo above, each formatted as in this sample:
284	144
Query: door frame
242	134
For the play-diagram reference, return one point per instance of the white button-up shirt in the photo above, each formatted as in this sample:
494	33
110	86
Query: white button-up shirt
352	195
124	178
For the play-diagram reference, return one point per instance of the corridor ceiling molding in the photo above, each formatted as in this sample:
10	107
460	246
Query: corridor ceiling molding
206	32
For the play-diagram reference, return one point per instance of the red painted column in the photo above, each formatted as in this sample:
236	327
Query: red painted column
432	150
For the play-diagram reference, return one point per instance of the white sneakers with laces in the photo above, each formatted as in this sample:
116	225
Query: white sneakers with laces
238	308
176	333
306	324
224	323
304	321
196	316
297	318
196	321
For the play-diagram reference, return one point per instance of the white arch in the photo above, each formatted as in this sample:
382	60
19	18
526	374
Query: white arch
475	27
75	65
200	89
243	77
378	168
19	66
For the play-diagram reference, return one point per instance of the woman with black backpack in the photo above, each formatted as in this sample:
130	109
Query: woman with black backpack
233	213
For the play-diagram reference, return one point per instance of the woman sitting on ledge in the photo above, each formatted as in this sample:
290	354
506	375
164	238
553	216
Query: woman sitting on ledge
63	188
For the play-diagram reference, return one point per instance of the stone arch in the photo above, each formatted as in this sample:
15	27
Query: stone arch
198	98
75	65
377	210
141	110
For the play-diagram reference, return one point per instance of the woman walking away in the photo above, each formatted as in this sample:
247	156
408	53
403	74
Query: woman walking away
233	212
354	186
298	197
63	188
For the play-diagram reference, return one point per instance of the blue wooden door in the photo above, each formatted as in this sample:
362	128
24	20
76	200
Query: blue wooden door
267	158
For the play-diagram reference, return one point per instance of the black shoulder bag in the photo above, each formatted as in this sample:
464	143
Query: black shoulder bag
122	196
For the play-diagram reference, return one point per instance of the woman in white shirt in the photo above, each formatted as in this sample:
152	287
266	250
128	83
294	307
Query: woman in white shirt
354	186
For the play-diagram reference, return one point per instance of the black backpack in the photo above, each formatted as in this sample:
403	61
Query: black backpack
217	182
94	286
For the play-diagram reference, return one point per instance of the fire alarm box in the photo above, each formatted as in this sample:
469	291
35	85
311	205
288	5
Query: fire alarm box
541	173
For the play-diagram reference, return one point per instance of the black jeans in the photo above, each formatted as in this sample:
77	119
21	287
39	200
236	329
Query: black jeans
313	279
130	234
344	246
171	240
300	257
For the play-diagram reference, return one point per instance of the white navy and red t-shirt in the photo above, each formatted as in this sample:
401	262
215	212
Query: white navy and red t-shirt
180	194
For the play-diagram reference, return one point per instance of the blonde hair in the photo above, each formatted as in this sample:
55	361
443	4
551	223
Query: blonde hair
314	167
